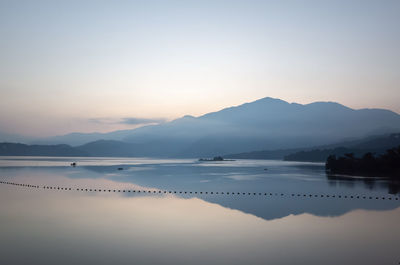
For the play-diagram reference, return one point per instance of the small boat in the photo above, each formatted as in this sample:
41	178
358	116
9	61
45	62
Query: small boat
73	164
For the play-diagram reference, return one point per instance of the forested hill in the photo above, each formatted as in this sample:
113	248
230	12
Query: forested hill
16	149
384	165
377	145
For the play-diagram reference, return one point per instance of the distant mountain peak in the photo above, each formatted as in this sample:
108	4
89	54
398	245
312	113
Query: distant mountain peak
188	117
270	99
333	103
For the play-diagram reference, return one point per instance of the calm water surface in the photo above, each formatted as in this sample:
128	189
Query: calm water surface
190	212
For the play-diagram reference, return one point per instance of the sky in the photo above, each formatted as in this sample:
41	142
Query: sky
84	66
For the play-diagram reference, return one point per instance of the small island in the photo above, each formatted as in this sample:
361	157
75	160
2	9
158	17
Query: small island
215	158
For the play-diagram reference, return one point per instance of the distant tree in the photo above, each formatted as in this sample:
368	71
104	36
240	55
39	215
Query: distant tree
385	165
331	163
349	155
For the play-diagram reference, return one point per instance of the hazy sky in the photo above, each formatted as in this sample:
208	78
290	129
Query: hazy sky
102	65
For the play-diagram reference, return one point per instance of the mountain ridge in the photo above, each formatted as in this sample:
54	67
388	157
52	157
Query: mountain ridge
103	148
266	123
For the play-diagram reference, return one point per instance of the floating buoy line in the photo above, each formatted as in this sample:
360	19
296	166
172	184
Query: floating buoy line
264	194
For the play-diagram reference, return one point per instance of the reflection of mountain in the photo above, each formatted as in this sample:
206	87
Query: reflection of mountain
189	178
263	124
194	176
277	207
392	185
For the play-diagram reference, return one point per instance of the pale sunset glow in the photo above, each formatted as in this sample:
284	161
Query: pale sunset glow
65	63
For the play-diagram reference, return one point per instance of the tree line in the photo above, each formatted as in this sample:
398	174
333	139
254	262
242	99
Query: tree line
384	165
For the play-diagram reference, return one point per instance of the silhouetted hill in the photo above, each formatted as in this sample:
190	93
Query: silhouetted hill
76	138
265	124
16	149
377	145
320	155
14	138
97	148
383	165
264	154
109	148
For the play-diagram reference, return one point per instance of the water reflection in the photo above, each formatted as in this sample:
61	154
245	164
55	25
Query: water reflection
247	176
267	206
47	227
392	186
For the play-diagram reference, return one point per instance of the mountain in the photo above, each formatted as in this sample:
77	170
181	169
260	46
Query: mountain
8	137
76	139
263	154
377	145
265	124
374	144
16	149
97	148
109	148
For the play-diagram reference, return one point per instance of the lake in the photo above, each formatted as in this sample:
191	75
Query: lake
182	211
